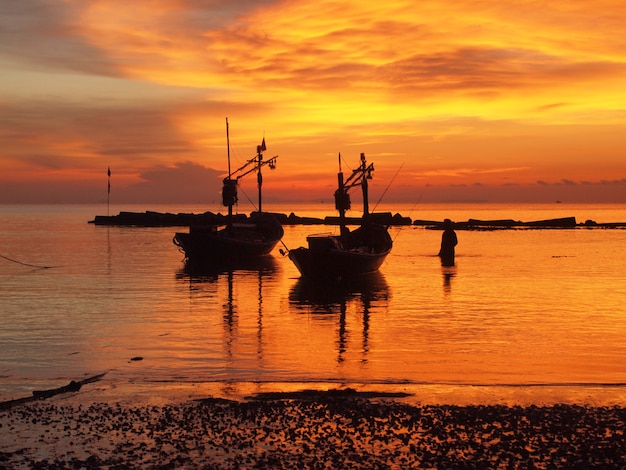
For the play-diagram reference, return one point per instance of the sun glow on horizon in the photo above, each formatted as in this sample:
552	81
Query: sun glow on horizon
480	94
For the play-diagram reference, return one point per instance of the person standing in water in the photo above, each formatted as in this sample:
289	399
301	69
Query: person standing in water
448	242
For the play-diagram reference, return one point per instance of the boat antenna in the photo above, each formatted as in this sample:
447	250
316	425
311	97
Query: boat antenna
228	147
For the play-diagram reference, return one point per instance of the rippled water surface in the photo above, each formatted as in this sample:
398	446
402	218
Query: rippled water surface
520	308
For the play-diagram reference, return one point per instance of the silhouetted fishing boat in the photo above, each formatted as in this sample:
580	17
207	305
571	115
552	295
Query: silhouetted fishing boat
239	238
351	253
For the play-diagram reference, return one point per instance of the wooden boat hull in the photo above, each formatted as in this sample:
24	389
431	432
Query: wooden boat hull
334	264
240	241
342	257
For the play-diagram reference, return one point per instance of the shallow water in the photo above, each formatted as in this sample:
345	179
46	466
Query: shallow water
538	308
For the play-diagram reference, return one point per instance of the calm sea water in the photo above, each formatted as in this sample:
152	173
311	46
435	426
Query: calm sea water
522	309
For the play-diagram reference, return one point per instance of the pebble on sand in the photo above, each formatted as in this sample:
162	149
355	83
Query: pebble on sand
322	431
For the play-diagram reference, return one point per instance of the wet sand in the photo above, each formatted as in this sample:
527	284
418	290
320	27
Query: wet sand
101	427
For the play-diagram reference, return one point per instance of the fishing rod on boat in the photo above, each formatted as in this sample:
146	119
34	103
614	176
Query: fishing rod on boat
387	188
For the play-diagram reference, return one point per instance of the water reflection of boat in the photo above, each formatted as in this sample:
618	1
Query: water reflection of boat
243	282
197	269
351	253
321	297
237	239
333	298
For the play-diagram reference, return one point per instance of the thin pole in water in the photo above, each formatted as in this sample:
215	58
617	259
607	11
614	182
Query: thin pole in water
108	188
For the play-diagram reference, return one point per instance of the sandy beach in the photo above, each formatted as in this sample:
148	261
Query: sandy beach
101	425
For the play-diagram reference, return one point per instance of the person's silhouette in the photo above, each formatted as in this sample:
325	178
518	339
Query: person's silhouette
448	242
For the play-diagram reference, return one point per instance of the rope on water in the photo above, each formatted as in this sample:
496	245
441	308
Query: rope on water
26	264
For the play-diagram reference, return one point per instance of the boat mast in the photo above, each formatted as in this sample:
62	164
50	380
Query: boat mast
229	188
230	206
259	176
358	177
229	191
342	201
364	187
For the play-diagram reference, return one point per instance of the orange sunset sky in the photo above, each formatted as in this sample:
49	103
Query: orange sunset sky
495	101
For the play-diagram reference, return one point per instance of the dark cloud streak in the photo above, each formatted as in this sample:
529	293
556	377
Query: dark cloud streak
187	182
184	183
38	128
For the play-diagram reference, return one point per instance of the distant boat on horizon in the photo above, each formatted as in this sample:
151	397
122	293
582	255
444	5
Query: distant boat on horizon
238	239
350	254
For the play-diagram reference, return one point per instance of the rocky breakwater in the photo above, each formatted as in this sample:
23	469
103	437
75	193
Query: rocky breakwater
161	219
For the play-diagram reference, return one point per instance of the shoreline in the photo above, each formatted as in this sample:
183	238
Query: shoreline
111	388
109	425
